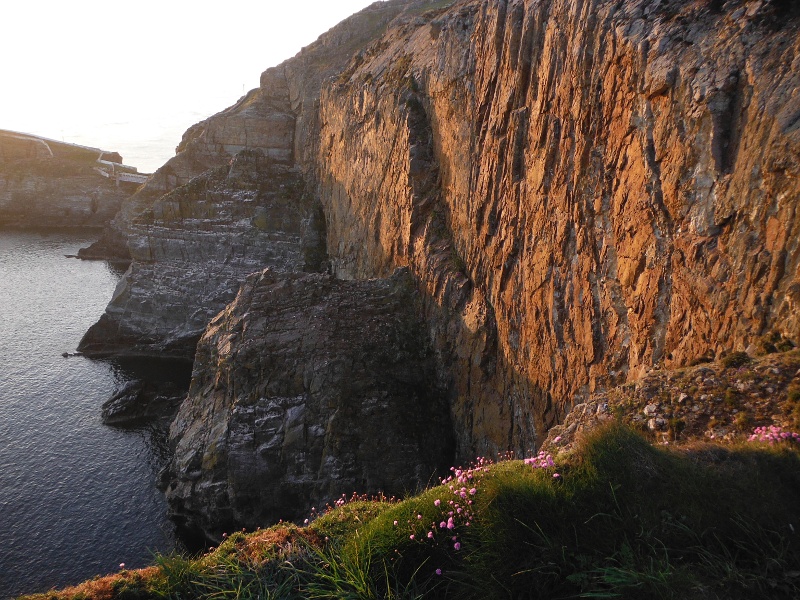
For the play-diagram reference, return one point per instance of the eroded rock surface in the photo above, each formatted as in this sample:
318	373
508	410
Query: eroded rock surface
584	191
192	249
139	402
305	388
713	401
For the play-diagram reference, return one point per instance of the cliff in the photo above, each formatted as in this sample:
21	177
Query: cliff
581	192
615	185
45	183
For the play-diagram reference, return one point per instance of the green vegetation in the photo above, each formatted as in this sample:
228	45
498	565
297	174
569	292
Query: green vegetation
735	360
617	518
774	342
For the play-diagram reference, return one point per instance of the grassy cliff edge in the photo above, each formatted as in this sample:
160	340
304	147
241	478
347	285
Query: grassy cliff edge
616	516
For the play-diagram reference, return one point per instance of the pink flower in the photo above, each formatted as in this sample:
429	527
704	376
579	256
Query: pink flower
430	535
411	537
419	517
437	502
438	571
450	524
556	475
442	525
473	491
395	523
457	546
121	565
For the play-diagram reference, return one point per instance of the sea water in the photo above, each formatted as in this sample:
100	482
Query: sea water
77	498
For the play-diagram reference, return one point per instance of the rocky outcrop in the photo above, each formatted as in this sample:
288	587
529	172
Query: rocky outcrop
581	191
306	388
140	401
192	249
44	183
184	271
723	401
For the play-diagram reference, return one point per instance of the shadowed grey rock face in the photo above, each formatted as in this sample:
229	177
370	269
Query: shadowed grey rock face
195	246
306	388
139	402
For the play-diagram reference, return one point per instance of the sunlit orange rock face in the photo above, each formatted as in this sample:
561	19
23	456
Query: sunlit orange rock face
584	190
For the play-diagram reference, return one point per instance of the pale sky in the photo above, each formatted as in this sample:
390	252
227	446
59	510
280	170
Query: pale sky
133	76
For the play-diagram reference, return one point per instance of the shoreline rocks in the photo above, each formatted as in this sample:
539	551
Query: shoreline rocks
140	402
193	248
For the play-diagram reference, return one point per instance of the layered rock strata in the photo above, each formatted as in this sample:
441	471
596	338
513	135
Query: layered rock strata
194	246
50	184
186	268
306	388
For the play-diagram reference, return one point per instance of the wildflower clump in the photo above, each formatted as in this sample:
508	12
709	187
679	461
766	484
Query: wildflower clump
458	511
438	525
437	530
773	435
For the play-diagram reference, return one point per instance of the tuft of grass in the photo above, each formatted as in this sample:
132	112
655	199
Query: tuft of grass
734	360
742	421
348	518
732	398
793	395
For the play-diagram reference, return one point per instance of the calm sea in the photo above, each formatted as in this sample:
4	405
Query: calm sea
76	497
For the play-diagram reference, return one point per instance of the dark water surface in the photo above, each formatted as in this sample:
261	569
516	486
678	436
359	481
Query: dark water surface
76	497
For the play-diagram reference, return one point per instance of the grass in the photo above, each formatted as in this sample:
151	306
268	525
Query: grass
735	359
618	518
